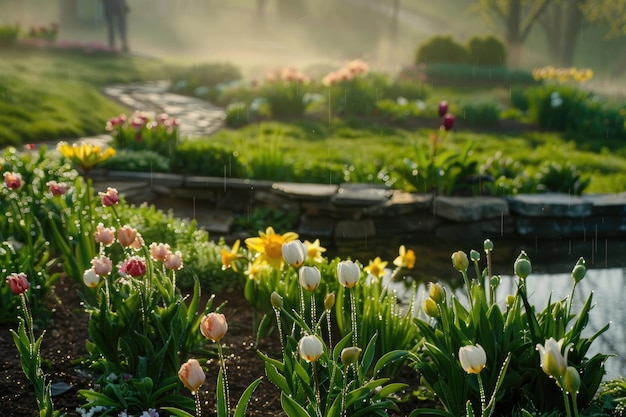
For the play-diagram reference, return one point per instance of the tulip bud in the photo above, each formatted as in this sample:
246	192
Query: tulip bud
192	375
494	281
553	363
329	301
488	245
90	278
104	235
214	326
294	253
348	273
556	310
472	358
310	277
135	266
571	381
102	265
510	299
276	300
18	283
57	188
437	293
109	198
579	271
350	355
474	255
126	235
443	108
310	348
522	266
173	260
460	261
448	122
12	180
430	308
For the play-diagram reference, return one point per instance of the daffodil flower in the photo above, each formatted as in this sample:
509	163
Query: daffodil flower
85	155
269	245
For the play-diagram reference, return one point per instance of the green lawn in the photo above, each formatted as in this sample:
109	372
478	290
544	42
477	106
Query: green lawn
52	96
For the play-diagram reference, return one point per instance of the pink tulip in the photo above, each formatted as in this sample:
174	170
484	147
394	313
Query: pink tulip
109	198
214	326
18	283
13	180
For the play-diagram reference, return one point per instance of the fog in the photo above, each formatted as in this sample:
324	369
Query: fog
317	33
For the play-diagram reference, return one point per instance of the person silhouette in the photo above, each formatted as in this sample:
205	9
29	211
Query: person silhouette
115	16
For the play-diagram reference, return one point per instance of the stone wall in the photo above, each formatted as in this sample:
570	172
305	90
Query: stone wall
354	211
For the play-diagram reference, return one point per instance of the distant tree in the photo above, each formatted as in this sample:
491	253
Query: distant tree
562	22
613	14
518	18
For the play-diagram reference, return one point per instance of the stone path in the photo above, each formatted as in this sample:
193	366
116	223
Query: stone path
197	117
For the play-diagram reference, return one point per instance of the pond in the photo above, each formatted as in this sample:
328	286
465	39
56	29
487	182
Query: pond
552	263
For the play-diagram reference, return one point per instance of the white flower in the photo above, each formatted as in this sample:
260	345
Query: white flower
294	253
348	273
472	358
310	348
310	277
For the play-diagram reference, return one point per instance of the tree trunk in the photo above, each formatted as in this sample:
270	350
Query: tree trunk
395	12
551	24
573	28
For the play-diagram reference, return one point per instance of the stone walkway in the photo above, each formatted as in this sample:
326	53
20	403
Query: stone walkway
197	117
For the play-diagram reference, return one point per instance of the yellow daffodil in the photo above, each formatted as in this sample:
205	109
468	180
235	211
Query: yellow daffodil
315	251
229	258
255	270
376	267
85	155
405	259
269	245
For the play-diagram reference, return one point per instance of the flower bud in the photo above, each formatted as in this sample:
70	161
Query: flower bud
57	188
553	363
579	271
350	355
18	283
276	300
173	261
310	348
310	277
135	266
294	253
109	198
474	255
329	301
448	122
510	299
12	180
126	235
460	261
90	278
437	293
556	310
472	358
443	108
430	308
192	375
214	326
494	281
522	266
488	245
348	273
571	380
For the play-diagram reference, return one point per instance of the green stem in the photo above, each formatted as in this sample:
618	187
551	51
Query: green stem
575	404
469	289
565	397
355	337
482	395
226	388
198	408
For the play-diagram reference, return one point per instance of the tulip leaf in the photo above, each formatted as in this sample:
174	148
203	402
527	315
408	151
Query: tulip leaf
242	404
177	412
291	407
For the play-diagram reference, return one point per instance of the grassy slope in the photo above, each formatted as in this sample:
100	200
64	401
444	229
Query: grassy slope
57	96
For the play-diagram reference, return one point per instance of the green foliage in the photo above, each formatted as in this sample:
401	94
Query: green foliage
139	132
357	96
203	80
508	176
565	108
285	98
468	75
137	161
8	35
512	331
554	177
519	98
481	113
487	52
141	329
433	168
408	89
207	159
441	49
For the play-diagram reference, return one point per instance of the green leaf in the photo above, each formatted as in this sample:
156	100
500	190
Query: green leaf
222	405
276	378
388	358
368	355
177	412
389	389
242	404
291	407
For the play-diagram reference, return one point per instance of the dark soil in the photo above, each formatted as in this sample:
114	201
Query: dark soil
64	344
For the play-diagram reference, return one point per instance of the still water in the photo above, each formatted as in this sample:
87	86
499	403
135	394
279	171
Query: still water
552	263
607	285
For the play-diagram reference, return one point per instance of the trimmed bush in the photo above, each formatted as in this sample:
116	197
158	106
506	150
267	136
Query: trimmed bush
480	113
487	52
462	75
201	158
441	49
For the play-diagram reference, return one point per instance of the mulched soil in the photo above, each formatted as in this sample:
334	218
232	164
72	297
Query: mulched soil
64	343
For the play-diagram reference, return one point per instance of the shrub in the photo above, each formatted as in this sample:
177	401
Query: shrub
285	93
201	158
354	92
408	89
488	51
462	75
565	108
209	77
480	113
519	98
555	177
139	132
138	161
441	49
8	35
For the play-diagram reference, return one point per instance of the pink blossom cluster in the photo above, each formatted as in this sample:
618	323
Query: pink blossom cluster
349	71
288	75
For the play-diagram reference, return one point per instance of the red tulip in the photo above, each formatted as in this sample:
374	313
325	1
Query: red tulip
18	283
